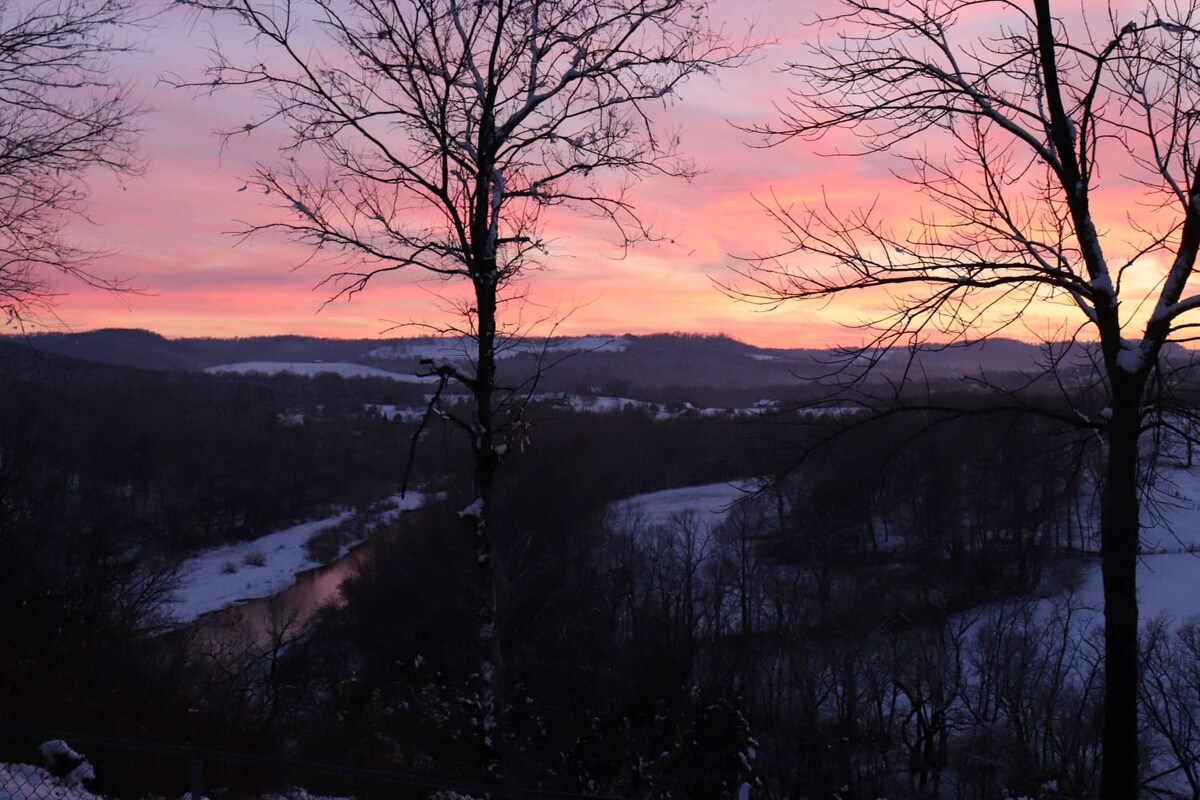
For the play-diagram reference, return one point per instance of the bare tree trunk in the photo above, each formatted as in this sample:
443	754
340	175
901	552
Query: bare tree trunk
486	463
1119	543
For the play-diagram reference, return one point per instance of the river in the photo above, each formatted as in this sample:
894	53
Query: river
246	630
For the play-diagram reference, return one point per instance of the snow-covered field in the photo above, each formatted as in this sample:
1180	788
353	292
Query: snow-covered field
1171	521
595	404
603	404
710	502
1168	573
223	576
345	369
402	413
606	404
451	349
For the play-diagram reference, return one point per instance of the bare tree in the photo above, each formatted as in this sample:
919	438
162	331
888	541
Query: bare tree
61	115
1002	115
1171	696
443	129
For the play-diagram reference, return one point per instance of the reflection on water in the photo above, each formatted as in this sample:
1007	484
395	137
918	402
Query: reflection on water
240	635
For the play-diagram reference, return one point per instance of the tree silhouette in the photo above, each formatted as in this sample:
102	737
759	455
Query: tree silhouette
61	115
442	130
1003	118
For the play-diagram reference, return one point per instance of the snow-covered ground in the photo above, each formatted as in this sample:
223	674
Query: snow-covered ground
606	404
1171	521
603	404
345	369
461	349
1167	584
402	413
223	576
595	404
709	502
1168	572
1168	575
26	782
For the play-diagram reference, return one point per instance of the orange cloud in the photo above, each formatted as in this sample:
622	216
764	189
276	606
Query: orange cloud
167	231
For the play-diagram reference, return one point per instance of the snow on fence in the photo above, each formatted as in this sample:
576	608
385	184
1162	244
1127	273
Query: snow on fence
142	768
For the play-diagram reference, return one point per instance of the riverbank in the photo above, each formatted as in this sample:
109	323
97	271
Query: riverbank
260	568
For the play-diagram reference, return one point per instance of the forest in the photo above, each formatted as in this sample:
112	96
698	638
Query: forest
885	619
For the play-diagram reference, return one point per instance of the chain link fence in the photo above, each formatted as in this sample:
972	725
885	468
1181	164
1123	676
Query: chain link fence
39	764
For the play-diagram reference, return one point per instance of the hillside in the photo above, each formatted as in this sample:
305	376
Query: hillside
705	370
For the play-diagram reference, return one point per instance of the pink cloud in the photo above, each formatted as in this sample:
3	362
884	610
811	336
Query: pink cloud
168	230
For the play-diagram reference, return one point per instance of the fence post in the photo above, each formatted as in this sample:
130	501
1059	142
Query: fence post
197	778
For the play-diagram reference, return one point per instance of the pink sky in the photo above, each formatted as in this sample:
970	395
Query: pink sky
168	229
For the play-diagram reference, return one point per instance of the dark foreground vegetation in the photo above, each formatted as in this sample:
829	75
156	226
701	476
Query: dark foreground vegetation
895	618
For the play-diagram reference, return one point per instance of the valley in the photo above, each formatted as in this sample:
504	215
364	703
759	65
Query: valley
712	575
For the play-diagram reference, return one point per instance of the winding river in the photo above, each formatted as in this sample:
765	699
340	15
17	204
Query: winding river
249	628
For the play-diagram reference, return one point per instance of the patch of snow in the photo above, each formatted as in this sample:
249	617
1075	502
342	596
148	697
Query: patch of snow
391	412
1130	358
57	755
599	404
1168	572
588	344
222	576
301	794
1171	523
27	782
1166	584
434	349
473	510
464	349
765	357
345	369
710	502
604	404
834	411
1102	284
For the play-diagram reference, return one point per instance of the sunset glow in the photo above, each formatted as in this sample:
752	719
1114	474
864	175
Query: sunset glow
168	232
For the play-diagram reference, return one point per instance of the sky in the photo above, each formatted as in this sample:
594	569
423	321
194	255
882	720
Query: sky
168	232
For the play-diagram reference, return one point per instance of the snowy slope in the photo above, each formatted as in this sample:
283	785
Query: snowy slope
345	369
222	576
1168	575
451	349
710	502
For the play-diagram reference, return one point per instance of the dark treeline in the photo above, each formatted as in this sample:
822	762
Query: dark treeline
876	625
109	476
194	457
893	618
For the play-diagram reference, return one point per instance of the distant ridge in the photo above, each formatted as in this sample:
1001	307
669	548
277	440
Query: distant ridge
131	347
679	365
709	371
